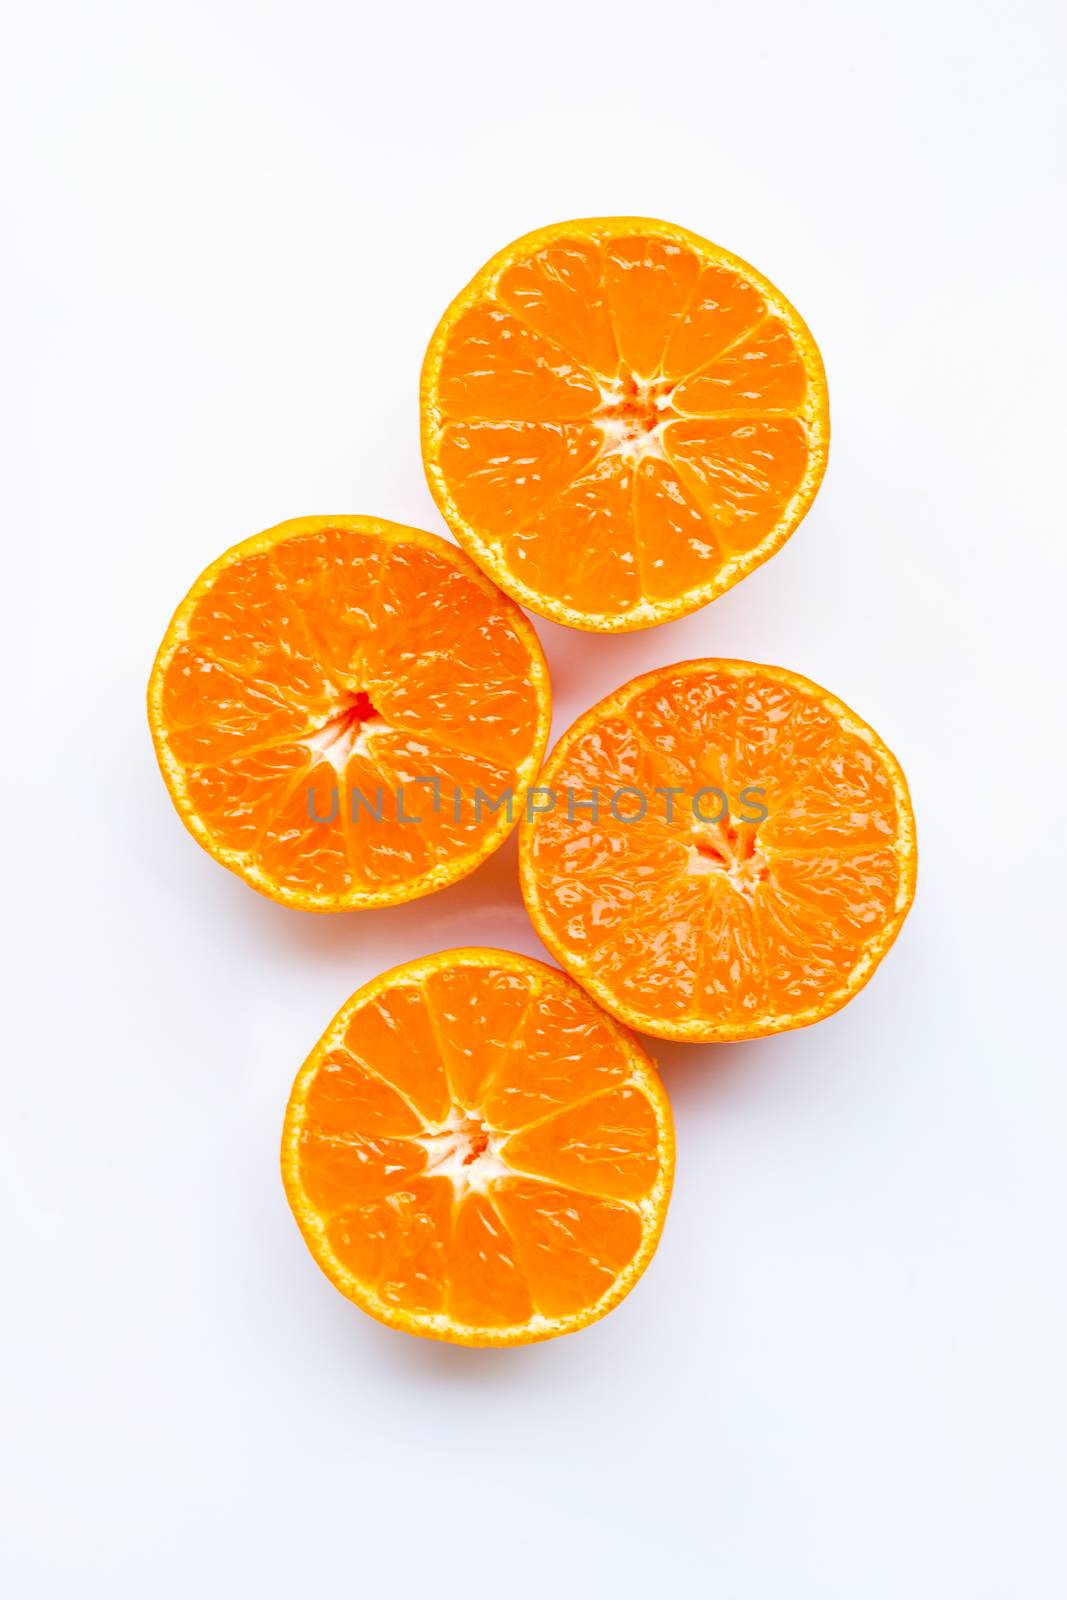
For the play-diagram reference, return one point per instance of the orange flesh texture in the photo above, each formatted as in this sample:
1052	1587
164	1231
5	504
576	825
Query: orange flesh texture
622	423
722	929
477	1153
326	670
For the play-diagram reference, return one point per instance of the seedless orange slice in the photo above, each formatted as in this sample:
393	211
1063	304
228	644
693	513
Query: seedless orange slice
474	1152
620	420
347	712
730	853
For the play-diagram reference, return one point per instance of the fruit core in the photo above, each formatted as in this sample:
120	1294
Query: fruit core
632	413
464	1149
346	732
730	848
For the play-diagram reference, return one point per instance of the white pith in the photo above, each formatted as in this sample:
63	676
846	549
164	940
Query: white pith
343	737
717	851
450	1153
639	432
743	875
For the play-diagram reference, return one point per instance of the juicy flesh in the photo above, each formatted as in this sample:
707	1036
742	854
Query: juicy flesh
328	676
477	1147
620	419
727	921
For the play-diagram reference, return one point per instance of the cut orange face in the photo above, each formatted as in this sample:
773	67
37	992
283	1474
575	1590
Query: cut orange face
730	852
347	713
620	420
474	1152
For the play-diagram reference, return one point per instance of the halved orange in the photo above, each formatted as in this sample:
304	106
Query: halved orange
474	1152
730	851
347	712
620	420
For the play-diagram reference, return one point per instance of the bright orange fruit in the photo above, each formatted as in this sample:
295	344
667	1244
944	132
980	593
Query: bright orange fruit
750	860
474	1152
620	420
338	704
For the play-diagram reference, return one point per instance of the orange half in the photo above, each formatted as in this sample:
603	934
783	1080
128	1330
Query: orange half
347	712
730	852
620	420
474	1152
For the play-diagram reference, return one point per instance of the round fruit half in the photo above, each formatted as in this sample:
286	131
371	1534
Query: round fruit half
620	420
347	712
730	851
474	1152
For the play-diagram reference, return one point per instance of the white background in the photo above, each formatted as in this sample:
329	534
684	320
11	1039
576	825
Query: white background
234	226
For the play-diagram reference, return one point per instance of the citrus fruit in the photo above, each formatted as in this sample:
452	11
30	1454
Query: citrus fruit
620	420
729	852
474	1152
338	706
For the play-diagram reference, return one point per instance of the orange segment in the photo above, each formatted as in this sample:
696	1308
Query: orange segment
620	420
332	573
301	841
779	735
468	785
652	958
726	305
562	1054
731	977
847	801
605	1146
381	846
251	626
212	713
505	473
583	544
856	892
689	721
352	1169
570	1246
347	1098
487	1288
392	1035
559	291
763	371
446	657
474	1152
331	699
236	799
763	878
675	543
742	473
478	1012
650	282
805	955
400	1245
496	367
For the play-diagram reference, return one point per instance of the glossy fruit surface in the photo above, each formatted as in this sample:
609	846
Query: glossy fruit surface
751	859
323	694
620	420
475	1153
